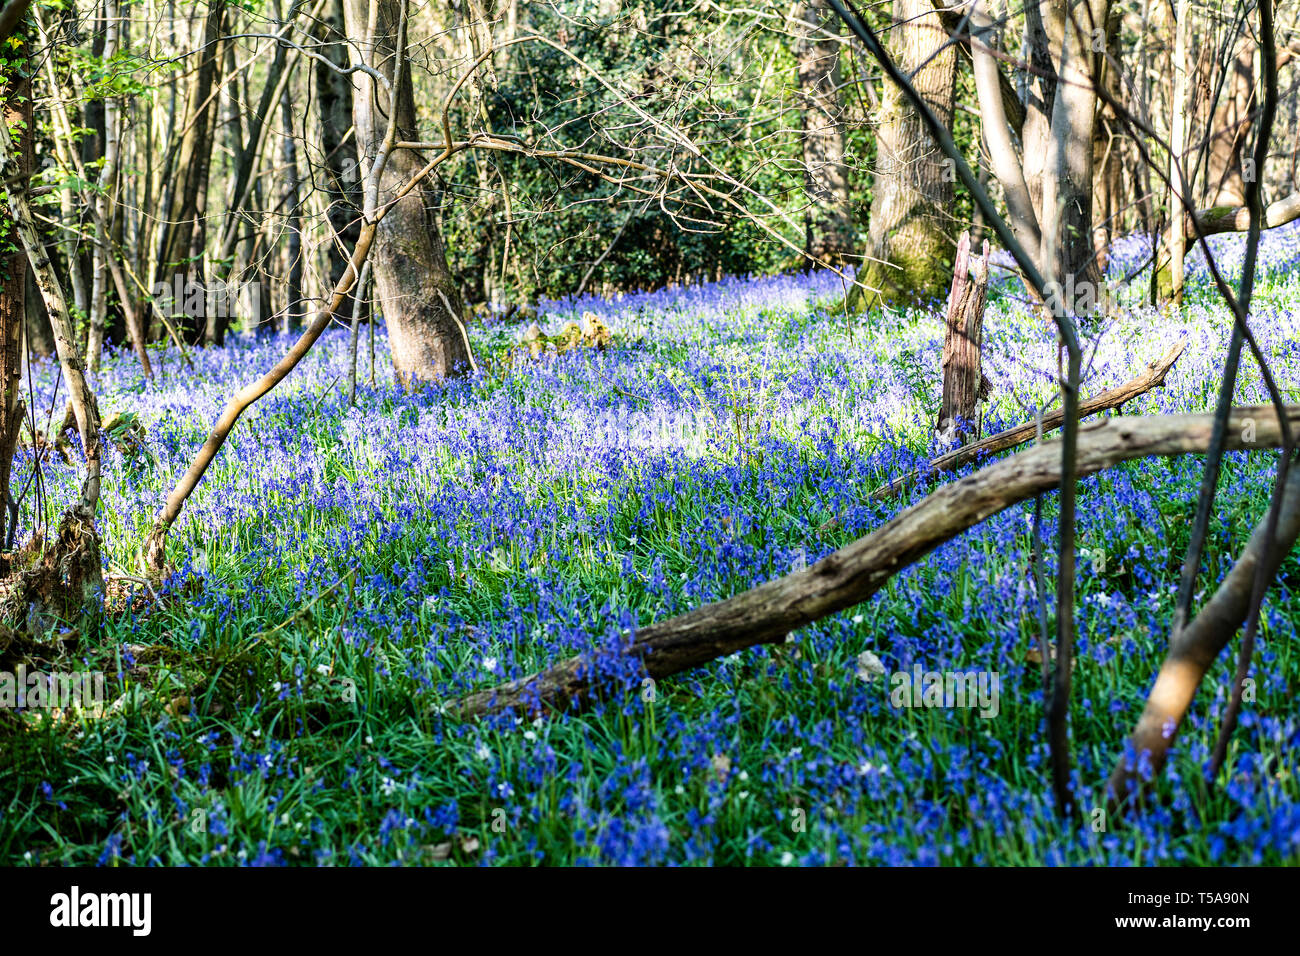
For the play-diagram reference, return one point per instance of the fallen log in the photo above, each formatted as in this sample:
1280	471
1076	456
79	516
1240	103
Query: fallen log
1153	377
767	613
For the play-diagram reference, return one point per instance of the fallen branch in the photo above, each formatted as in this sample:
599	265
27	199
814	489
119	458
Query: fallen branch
1153	377
767	613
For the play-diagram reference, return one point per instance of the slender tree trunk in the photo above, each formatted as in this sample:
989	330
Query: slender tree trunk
105	200
230	266
71	243
979	227
828	218
475	21
415	288
13	306
1107	149
1232	121
1177	139
339	147
910	245
182	228
1065	209
245	187
293	214
70	575
1044	35
358	303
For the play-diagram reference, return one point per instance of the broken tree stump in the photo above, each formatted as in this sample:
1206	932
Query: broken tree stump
964	384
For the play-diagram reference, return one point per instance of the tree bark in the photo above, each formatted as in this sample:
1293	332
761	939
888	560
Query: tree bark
290	201
1065	207
828	219
1229	126
17	113
1043	39
245	188
964	384
105	200
70	576
182	227
342	175
105	259
354	334
1107	148
1004	158
910	242
1177	137
416	291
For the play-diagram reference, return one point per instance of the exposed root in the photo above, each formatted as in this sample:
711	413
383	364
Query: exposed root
59	579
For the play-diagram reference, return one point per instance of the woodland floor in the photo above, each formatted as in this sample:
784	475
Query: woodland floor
495	525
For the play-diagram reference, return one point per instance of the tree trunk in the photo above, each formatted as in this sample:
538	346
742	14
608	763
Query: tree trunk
1177	137
13	307
104	200
1107	148
342	176
1231	123
293	213
37	330
415	288
1065	209
246	190
828	216
1044	33
234	267
910	245
69	577
181	228
358	303
964	384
